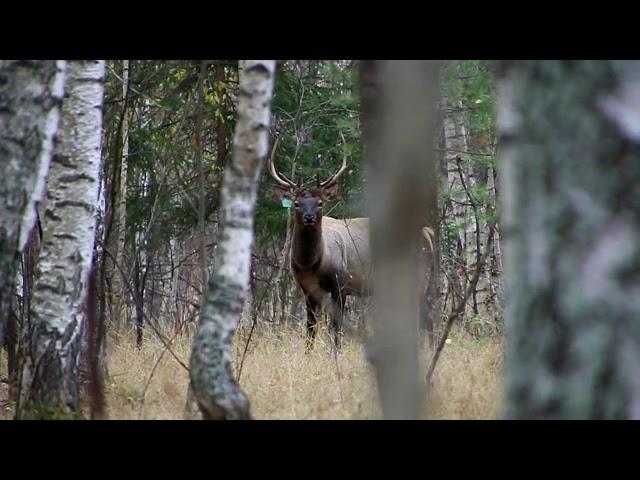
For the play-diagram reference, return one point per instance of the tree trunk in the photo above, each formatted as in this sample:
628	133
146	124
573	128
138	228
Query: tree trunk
216	391
494	267
202	252
281	286
454	137
139	281
119	289
430	304
571	231
30	95
190	408
397	120
49	386
221	125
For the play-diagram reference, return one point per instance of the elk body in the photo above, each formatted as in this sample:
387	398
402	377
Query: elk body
329	256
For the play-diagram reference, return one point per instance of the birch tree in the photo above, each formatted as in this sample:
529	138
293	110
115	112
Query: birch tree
453	174
570	140
30	95
121	311
49	385
218	394
398	99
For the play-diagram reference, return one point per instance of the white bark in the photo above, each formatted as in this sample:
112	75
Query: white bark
49	377
50	121
216	391
118	285
571	210
454	142
30	95
461	181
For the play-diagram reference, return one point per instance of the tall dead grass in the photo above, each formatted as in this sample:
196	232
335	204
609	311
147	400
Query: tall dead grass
283	382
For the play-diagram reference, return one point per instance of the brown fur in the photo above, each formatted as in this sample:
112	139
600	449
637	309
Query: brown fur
333	257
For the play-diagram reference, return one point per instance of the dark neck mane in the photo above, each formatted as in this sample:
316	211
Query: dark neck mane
307	248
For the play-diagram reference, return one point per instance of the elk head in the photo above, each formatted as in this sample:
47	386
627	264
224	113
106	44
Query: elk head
307	202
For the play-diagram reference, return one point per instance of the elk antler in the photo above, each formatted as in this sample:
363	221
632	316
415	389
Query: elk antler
334	178
281	179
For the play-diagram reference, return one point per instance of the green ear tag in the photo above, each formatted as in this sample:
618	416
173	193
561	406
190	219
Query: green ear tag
286	202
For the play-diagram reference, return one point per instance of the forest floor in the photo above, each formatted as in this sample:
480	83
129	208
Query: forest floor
283	382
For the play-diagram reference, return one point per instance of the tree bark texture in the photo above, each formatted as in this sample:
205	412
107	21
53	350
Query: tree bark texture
571	225
121	311
397	129
30	96
216	391
49	383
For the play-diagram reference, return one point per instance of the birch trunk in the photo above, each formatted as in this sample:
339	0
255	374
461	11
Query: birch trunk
397	113
571	231
202	253
30	96
49	385
455	142
216	391
121	311
494	296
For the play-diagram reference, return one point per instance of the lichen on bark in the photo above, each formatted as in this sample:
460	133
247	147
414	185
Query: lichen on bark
49	380
217	393
571	225
30	96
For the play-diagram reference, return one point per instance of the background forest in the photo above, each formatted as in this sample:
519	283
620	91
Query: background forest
167	138
172	133
168	130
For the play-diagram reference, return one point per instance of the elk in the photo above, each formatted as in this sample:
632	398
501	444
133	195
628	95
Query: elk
328	255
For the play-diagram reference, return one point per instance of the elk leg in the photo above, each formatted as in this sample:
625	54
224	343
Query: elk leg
426	319
339	300
312	320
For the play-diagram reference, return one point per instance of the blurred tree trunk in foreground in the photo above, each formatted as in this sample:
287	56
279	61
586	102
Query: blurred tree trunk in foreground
570	134
398	103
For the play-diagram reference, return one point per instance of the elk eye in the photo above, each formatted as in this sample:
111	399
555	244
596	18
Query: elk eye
296	204
320	203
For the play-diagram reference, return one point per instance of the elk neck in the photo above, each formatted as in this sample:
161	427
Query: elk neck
307	248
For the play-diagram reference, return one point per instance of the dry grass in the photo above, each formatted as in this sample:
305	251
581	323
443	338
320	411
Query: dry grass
6	407
468	379
285	383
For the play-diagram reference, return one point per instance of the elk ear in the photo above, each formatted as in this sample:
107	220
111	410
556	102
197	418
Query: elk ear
282	192
329	193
